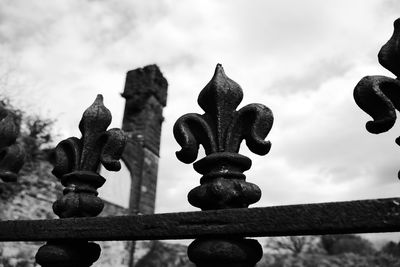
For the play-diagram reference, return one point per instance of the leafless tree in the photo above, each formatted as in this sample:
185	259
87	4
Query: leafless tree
291	244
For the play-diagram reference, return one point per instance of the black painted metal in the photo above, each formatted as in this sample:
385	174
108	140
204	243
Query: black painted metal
379	96
362	216
77	164
220	130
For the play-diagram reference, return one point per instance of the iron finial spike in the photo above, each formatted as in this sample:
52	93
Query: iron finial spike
220	130
389	55
77	165
379	96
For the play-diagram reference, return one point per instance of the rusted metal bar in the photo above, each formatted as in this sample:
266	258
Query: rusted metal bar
362	216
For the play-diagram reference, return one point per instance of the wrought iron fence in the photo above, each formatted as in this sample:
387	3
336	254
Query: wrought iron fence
222	228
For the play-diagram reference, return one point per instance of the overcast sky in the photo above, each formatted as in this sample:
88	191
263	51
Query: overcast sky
302	59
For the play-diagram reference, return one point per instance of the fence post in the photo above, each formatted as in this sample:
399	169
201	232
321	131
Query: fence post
11	154
379	96
220	130
77	165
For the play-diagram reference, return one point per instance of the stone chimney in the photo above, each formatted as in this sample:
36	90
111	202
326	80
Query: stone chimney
146	94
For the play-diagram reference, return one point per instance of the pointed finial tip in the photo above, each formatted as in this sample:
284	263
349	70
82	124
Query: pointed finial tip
219	70
95	116
99	98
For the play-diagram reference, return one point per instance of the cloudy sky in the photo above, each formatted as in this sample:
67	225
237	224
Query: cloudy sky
300	58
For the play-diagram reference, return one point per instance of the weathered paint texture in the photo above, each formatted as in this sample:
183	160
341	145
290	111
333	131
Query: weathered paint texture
221	130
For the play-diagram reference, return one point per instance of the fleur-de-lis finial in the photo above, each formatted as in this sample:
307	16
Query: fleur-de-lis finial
220	130
379	96
78	160
11	154
77	165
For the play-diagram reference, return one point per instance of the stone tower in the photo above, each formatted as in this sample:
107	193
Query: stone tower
146	94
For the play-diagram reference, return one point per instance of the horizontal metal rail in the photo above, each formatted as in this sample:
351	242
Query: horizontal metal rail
362	216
